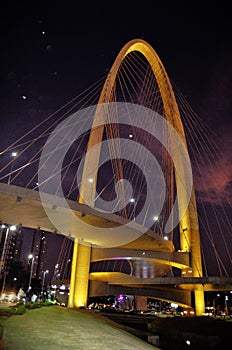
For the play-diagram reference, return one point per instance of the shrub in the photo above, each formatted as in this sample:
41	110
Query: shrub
32	305
1	331
46	303
19	303
20	310
7	311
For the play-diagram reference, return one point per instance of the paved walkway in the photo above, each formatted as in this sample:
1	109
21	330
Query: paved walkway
58	328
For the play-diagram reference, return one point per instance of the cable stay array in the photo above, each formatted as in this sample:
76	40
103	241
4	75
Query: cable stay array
136	84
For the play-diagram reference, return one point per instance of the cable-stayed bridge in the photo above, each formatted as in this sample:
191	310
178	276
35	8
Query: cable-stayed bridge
112	169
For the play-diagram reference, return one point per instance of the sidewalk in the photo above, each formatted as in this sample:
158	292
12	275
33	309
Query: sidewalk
58	328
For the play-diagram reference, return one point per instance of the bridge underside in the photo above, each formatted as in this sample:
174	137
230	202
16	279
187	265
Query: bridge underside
182	298
23	206
171	289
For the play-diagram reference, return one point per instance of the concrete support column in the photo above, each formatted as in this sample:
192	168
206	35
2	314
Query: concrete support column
196	265
199	302
73	274
137	271
151	269
140	303
80	275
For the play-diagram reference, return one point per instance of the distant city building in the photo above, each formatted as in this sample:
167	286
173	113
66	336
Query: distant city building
10	246
39	250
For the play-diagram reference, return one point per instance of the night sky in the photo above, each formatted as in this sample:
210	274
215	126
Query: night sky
51	52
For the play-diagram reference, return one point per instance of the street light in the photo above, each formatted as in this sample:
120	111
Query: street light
31	257
156	225
226	306
132	201
43	280
3	258
214	305
13	154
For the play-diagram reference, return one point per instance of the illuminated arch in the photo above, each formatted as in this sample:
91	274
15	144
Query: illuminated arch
189	230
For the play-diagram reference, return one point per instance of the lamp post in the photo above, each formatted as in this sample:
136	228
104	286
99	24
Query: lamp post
43	280
226	306
13	154
214	309
132	201
3	258
4	282
156	223
30	257
214	304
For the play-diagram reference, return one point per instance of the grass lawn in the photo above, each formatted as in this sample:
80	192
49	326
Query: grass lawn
54	328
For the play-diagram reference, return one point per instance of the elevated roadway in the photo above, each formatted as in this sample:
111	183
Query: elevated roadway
23	206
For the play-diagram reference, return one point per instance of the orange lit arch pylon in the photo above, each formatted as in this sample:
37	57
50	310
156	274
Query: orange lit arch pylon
189	228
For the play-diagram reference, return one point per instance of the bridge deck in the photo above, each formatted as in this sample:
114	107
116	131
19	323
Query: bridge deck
23	206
